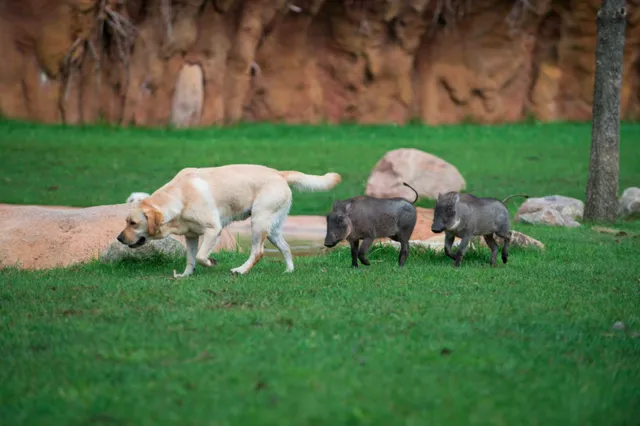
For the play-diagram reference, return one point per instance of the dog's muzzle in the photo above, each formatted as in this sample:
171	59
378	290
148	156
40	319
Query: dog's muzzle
138	243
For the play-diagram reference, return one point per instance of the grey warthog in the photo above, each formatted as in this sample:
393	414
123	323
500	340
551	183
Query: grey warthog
465	216
367	218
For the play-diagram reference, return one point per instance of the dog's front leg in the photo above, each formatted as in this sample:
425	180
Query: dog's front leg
192	249
209	243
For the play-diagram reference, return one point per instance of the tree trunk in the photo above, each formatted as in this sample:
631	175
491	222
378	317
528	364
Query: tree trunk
602	186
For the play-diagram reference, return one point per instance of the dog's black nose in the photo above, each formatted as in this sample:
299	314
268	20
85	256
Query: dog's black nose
119	238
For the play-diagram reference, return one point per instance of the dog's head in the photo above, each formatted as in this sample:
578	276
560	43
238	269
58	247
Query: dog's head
143	222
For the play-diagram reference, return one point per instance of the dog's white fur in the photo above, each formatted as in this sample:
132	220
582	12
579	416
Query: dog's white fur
201	202
136	197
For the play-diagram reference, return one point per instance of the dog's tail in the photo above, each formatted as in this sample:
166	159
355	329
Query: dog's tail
514	195
309	183
411	188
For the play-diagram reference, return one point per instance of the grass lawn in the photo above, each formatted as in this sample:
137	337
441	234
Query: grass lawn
527	343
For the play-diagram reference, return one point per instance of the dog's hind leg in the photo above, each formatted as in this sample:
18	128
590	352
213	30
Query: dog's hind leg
275	237
258	235
192	249
268	212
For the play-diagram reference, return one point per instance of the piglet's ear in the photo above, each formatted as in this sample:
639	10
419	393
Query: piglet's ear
342	206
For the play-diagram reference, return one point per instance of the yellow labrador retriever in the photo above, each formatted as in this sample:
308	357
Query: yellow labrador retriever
203	201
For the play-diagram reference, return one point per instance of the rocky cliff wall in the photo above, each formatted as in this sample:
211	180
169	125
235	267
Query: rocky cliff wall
197	62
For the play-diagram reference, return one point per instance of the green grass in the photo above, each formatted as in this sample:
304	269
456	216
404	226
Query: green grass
527	343
101	165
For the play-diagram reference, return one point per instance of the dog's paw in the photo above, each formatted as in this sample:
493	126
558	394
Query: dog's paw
183	275
238	271
207	263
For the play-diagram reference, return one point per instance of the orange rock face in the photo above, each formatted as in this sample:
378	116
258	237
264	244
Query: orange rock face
200	63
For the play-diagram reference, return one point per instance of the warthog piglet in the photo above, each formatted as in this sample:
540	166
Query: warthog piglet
465	216
367	218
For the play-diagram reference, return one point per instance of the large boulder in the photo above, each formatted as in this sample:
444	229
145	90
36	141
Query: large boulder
428	174
36	237
630	203
556	210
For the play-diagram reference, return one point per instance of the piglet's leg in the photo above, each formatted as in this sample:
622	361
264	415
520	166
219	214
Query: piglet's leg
448	243
364	248
493	246
404	252
354	253
506	236
462	249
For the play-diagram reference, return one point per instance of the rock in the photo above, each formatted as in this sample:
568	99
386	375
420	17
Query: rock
618	325
427	173
383	61
630	203
136	197
117	251
438	78
605	230
518	239
554	210
38	237
434	243
188	97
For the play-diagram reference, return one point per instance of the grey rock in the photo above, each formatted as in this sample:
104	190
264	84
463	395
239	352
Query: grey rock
555	210
618	325
117	251
629	203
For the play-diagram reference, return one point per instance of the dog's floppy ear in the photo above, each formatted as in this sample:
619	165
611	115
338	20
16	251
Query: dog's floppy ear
154	220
